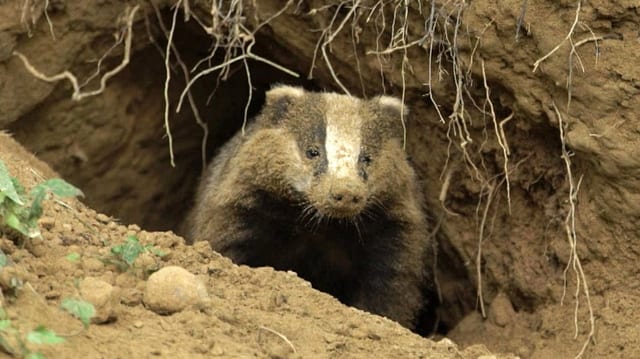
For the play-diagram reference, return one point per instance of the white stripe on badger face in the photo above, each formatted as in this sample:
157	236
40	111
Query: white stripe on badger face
343	138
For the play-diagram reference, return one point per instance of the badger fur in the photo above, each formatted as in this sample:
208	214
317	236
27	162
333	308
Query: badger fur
320	184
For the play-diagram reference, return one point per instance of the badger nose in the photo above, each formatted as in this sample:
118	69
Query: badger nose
344	197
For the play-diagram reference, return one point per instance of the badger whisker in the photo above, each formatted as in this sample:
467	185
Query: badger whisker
318	220
354	221
306	214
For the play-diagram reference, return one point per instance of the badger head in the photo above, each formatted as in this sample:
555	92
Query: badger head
346	154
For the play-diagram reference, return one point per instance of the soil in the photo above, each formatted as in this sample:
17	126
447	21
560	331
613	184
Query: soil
478	61
247	312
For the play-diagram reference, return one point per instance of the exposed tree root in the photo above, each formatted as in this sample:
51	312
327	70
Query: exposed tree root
78	93
570	229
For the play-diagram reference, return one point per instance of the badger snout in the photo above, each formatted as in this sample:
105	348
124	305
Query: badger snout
346	196
339	198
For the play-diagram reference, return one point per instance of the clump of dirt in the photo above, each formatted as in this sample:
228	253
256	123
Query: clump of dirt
247	312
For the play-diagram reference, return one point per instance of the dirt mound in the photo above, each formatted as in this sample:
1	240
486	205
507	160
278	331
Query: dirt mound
248	312
523	129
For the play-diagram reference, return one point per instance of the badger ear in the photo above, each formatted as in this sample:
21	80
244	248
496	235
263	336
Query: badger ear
278	100
392	104
391	113
278	92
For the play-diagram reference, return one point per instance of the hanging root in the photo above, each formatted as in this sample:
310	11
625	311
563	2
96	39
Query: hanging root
78	93
570	229
31	10
232	38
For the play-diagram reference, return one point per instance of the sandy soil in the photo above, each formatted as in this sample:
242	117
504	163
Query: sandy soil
247	312
112	146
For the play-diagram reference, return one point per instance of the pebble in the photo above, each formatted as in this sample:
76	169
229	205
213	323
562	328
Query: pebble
501	311
104	297
92	264
47	222
172	289
103	218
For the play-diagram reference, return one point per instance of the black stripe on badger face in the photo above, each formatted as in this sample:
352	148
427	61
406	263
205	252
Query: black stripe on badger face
311	141
307	123
385	116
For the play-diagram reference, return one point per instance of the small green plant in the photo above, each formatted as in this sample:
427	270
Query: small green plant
4	260
21	210
124	256
73	257
14	343
80	309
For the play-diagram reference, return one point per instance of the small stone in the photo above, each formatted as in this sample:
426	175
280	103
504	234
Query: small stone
138	324
217	351
145	260
203	248
373	335
131	297
11	277
63	267
104	297
92	264
47	222
103	218
448	345
358	333
172	289
501	311
38	249
127	280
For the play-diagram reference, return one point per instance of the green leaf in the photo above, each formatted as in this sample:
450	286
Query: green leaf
117	249
80	309
6	185
131	250
35	355
14	222
61	188
156	251
5	324
43	335
28	228
73	257
3	259
18	186
5	345
39	195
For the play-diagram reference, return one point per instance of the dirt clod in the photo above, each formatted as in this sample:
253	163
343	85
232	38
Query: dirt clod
104	297
172	289
501	311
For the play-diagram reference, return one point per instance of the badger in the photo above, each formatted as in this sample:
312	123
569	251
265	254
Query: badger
320	184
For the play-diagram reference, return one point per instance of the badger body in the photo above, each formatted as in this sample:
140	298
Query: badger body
320	184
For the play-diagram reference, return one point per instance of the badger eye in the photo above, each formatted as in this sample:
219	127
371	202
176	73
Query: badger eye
312	153
365	159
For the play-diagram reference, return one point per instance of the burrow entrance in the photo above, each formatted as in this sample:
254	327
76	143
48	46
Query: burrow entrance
115	148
